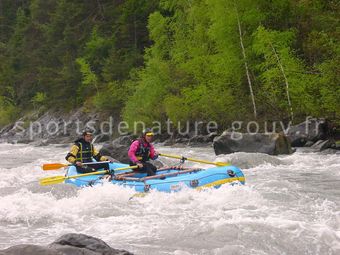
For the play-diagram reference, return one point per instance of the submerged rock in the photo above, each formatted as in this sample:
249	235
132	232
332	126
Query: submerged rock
69	244
245	160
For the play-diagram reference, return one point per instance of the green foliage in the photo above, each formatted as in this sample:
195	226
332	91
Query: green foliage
149	90
329	102
96	50
39	98
158	28
112	98
89	77
201	104
152	60
8	111
278	69
201	72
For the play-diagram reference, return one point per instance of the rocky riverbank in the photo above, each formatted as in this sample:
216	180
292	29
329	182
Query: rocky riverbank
56	127
62	128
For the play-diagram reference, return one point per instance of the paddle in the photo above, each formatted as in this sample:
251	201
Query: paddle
55	166
195	160
60	179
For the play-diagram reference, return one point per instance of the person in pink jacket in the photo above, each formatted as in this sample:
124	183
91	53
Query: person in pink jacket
141	151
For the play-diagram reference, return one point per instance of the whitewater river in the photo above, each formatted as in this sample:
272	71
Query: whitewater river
289	205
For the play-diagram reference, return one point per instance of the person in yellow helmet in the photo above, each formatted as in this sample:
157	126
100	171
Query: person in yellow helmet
141	151
83	152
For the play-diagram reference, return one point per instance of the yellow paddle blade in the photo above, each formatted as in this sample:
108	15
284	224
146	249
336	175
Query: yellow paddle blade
138	195
53	166
196	160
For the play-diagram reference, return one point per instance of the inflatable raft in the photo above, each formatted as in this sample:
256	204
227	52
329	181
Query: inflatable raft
169	179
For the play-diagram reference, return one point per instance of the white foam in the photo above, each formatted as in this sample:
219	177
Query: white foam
285	199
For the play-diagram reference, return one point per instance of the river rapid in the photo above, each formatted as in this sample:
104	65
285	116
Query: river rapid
289	205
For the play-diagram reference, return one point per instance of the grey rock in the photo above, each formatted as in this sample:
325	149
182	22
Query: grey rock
80	244
307	144
30	249
337	145
52	127
182	140
310	130
323	145
118	148
69	244
272	144
101	138
202	140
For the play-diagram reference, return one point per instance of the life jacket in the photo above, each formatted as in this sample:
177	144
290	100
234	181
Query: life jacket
85	151
143	152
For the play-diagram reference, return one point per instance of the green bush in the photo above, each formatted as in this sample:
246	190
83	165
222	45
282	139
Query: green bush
8	111
149	90
111	98
39	99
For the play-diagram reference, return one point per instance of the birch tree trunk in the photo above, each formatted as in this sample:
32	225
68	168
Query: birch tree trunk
246	63
286	82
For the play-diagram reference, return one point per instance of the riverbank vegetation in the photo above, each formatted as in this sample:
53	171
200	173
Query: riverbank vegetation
207	60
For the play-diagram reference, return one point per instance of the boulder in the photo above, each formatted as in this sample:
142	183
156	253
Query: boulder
118	148
101	138
272	144
202	140
30	249
80	244
310	130
69	244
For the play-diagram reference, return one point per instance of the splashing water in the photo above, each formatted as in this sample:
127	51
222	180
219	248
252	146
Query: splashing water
289	205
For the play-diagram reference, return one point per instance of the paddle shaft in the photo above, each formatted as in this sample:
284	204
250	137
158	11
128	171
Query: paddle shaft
54	166
87	174
60	179
195	160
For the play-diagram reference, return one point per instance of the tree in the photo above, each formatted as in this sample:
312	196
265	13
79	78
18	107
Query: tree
278	68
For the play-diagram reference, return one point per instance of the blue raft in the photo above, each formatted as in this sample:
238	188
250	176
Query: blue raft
166	179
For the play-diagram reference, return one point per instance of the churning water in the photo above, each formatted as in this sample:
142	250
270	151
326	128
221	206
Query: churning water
289	205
